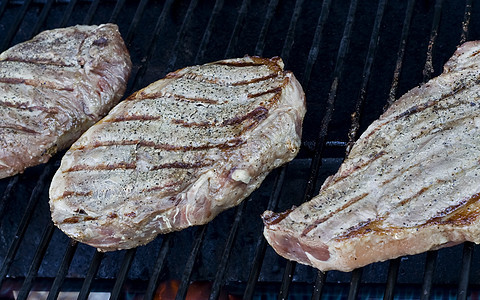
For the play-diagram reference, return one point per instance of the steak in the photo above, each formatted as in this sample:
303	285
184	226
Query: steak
55	86
411	182
178	152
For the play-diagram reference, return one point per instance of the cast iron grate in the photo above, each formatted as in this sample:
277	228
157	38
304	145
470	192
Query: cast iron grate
353	60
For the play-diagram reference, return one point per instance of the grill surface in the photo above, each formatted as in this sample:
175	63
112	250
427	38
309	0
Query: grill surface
352	58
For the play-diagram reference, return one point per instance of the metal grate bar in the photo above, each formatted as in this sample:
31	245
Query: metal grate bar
116	11
352	134
222	266
153	282
22	227
122	273
319	143
318	286
232	44
91	11
135	20
355	284
208	30
287	46
41	19
6	195
391	279
428	275
272	5
184	284
92	271
465	273
466	21
317	39
287	279
15	26
3	6
401	52
181	33
151	44
36	262
261	242
63	270
68	13
428	69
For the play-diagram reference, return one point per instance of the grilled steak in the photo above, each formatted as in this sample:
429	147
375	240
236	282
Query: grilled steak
178	152
411	182
55	86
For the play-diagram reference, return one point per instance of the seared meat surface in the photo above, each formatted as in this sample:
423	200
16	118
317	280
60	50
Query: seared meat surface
411	183
55	86
178	152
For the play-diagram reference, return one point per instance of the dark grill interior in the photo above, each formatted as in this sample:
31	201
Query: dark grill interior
353	58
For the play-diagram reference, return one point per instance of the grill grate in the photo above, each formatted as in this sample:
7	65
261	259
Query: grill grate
353	59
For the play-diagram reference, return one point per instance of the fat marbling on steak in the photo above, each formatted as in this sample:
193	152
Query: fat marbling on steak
53	87
178	152
411	182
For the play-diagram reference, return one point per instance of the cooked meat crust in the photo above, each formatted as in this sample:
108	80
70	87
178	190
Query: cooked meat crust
178	152
411	182
55	86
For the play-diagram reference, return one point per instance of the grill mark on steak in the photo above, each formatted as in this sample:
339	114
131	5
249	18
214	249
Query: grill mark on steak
76	219
37	61
24	106
233	143
257	115
128	166
357	167
36	83
181	165
121	165
332	213
421	107
21	128
176	97
125	118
